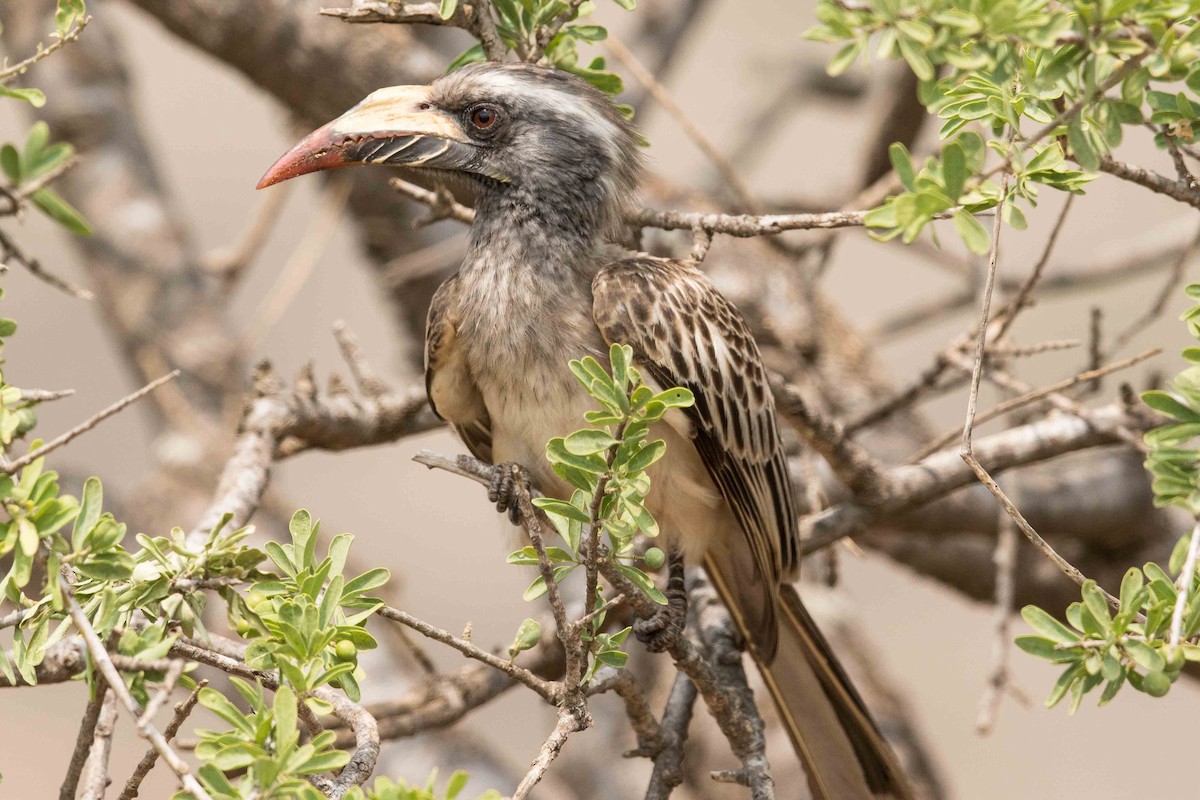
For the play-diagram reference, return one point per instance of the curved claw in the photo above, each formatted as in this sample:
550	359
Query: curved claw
503	489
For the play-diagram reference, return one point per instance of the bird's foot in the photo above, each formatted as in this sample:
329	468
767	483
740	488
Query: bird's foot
507	481
660	631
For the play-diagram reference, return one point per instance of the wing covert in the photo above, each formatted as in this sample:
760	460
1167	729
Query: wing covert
684	333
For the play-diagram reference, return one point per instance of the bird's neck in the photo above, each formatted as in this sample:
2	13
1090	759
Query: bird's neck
554	230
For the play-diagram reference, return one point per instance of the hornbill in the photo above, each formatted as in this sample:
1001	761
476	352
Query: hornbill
554	166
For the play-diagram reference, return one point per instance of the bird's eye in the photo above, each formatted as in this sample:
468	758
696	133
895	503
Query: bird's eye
484	117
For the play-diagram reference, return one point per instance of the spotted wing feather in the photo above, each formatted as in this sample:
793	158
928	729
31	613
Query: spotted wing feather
684	333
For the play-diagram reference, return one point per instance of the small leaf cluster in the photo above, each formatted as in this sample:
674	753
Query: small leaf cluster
1171	460
607	466
520	23
265	743
1128	646
38	158
386	789
1133	643
1008	68
308	622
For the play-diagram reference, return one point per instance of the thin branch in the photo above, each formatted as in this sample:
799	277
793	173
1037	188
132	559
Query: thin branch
564	727
1151	180
182	710
95	782
1033	396
677	717
547	690
83	741
1185	581
87	425
1005	559
145	728
9	250
19	68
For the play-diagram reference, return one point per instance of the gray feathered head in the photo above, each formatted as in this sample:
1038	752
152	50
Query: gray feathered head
529	137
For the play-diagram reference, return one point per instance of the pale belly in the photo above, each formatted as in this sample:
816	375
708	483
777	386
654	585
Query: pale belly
683	499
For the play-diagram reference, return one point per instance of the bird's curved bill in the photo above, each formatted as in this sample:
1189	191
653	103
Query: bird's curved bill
397	126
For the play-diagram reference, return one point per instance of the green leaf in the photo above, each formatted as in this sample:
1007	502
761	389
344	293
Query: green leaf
628	5
528	635
643	582
1170	405
1081	145
34	97
456	784
588	441
67	13
845	58
10	162
973	234
1042	647
1047	625
902	163
1145	656
954	169
1131	584
553	506
220	705
447	8
61	211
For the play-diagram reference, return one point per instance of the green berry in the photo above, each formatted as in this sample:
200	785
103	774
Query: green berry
1156	684
345	650
654	558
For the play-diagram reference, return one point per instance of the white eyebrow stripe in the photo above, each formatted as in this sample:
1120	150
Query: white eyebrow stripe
563	102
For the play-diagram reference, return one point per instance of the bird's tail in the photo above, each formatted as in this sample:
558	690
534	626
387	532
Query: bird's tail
844	755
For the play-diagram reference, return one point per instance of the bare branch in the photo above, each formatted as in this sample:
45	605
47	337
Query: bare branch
182	710
85	426
83	742
547	690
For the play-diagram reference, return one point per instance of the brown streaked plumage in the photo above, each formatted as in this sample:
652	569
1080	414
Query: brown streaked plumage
554	166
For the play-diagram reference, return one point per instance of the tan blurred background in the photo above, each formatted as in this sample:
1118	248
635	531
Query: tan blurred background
214	134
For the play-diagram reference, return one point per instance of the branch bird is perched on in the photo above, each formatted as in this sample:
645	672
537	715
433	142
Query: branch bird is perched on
554	166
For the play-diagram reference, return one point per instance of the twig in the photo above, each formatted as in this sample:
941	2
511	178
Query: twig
566	725
966	452
95	782
649	733
438	203
668	764
1185	589
854	466
1021	298
84	427
20	67
1005	559
145	728
9	250
547	690
368	382
472	16
1033	396
17	195
83	742
1150	180
148	760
